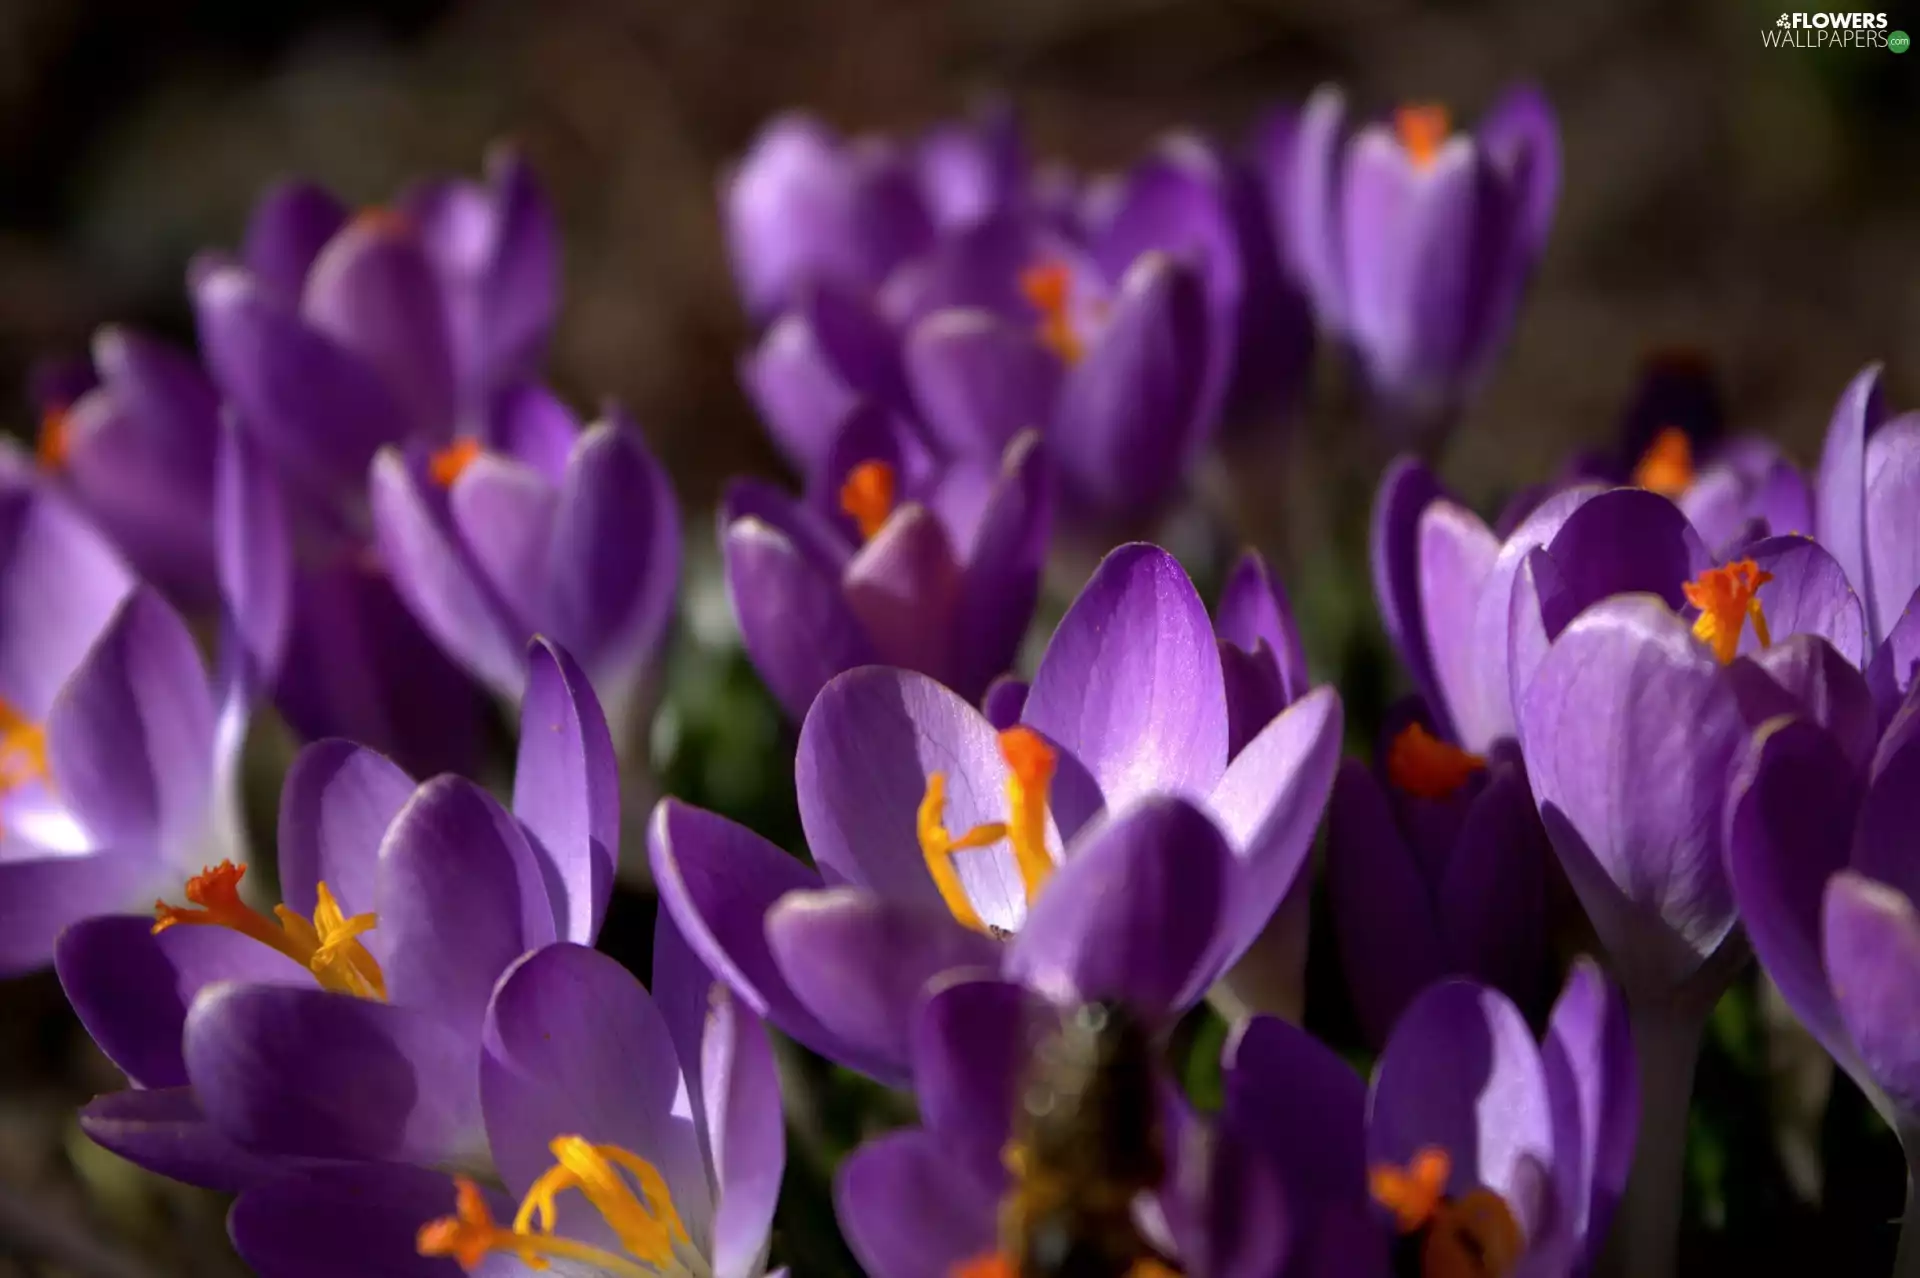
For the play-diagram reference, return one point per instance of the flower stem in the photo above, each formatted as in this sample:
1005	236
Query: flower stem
1666	1040
1906	1261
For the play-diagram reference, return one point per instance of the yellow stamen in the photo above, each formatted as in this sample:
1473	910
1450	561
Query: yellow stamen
1031	761
1667	466
328	945
1420	764
1726	598
23	750
1422	127
646	1222
1048	288
1415	1192
868	497
56	438
449	463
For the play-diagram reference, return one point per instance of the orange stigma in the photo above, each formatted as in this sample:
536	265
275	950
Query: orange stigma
1031	761
1667	466
380	218
451	462
1048	288
627	1191
995	1264
1474	1236
56	438
1414	1192
1420	764
1726	598
327	945
868	497
23	750
1422	128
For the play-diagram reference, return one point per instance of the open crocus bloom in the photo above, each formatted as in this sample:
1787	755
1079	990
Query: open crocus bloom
1474	1143
117	751
639	1135
1820	853
552	530
924	1202
346	1027
895	558
1104	844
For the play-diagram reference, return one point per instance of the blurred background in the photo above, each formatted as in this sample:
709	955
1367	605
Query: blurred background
1756	204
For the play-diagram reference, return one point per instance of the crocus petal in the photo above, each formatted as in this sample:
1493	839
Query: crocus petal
1492	902
1254	610
502	513
519	289
794	621
42	895
1242	1227
1005	700
131	988
1462	1074
801	396
164	1130
1520	132
1808	595
1130	684
1890	671
1629	732
1872	949
566	789
907	1213
867	749
1825	687
353	1220
1132	409
972	1046
862	963
317	407
535	427
1384	917
575	1046
1892	489
614	566
1291	1096
903	587
460	896
741	1097
1883	836
1840	496
1001	578
1309	223
60	584
291	223
255	556
373	292
335	806
1269	804
1456	558
1624	540
980	381
431	571
303	1071
130	740
1406	490
1594	1083
1137	915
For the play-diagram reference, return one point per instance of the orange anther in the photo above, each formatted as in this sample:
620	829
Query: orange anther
449	463
1422	128
1667	466
1420	764
868	496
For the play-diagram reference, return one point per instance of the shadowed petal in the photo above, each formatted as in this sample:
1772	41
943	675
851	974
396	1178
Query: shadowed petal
1872	948
1254	610
354	1220
291	223
1406	490
40	897
1594	1083
1384	918
1840	494
1825	688
1291	1096
1493	896
980	381
908	1212
972	1046
164	1131
1892	491
794	621
60	584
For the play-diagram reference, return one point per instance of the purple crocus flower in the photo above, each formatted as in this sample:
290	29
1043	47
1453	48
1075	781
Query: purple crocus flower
894	558
588	1087
117	750
1415	244
347	1026
1472	1137
1436	866
331	337
1820	855
1109	818
924	1202
553	530
133	436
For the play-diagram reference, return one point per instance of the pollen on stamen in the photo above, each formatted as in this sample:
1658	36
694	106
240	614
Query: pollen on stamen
1048	288
449	463
56	438
1667	465
1422	765
1422	128
868	497
1728	597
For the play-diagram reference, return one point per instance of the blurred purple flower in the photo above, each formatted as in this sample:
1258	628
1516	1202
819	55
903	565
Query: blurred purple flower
347	1028
1471	1133
892	558
1161	861
924	1202
588	1085
1415	243
553	530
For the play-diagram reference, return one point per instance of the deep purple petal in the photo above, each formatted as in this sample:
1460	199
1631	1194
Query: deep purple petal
1492	902
1872	948
795	624
41	896
980	380
352	1220
255	564
566	789
1254	610
1622	541
165	1131
1520	132
1827	689
1892	489
519	287
903	587
291	223
1890	672
1290	1095
972	1046
801	396
1406	489
1005	700
302	1071
1001	578
1130	684
1594	1084
1883	838
1138	913
906	1212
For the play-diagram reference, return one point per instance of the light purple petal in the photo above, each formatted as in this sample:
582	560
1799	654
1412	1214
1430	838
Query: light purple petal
1309	194
1892	489
1840	495
566	789
502	513
60	584
1890	672
1594	1083
1872	948
335	806
903	587
795	624
980	381
1521	134
41	896
741	1096
255	557
1808	595
1456	559
1254	610
1825	688
1001	580
520	286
